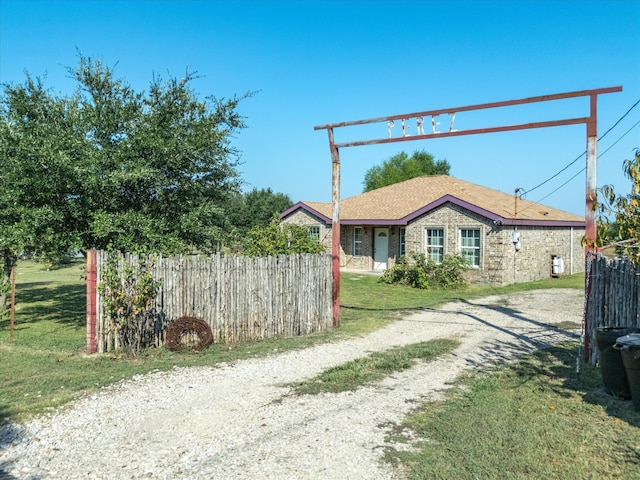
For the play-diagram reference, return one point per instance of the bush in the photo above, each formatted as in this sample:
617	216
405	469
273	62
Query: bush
422	272
128	294
279	238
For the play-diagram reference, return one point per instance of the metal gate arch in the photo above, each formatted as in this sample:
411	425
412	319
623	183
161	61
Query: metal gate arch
419	118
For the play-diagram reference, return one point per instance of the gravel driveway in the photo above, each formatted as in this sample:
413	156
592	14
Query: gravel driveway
236	421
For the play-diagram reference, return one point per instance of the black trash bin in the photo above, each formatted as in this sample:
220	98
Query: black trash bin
614	376
629	347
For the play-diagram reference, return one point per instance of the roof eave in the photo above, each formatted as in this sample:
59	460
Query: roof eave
491	216
543	223
307	208
455	200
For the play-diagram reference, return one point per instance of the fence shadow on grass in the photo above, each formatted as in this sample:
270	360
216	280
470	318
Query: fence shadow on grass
37	301
382	309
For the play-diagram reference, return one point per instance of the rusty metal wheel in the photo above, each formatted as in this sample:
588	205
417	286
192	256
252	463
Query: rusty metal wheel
178	329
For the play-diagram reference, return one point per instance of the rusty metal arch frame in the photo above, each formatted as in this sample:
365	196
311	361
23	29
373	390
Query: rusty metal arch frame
592	148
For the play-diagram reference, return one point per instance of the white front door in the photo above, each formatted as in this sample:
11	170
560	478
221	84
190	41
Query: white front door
381	248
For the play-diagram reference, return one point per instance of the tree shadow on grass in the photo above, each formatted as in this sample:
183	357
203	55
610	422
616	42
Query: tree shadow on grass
38	301
557	366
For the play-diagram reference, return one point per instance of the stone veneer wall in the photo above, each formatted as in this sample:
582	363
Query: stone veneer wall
500	264
539	245
451	218
347	259
304	218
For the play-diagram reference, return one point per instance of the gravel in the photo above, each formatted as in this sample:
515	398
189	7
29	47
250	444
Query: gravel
238	421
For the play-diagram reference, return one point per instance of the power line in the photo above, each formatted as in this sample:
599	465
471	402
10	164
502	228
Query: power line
584	153
619	120
554	191
584	168
624	135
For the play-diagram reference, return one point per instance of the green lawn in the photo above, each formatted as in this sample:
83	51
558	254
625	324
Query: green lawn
534	419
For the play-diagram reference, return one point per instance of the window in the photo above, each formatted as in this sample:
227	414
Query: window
401	245
357	241
435	244
470	245
314	233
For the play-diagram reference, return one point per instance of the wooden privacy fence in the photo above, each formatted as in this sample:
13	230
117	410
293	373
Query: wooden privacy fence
240	298
614	295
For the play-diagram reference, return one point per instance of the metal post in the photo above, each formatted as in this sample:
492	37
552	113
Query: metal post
13	302
92	277
591	174
335	227
590	213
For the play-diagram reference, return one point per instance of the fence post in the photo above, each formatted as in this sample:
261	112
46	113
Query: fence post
92	276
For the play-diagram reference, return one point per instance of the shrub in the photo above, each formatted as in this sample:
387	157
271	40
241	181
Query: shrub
279	238
450	273
128	294
422	272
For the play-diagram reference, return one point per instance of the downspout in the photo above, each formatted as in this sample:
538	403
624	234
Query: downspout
571	251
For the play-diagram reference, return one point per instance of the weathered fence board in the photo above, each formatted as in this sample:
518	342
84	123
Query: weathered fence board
241	298
614	296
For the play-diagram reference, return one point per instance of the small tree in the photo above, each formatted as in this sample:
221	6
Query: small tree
279	238
128	294
619	215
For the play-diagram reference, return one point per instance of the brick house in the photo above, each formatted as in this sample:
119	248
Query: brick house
442	215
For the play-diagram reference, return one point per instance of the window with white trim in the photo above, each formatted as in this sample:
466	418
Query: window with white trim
435	244
470	245
357	241
314	233
401	244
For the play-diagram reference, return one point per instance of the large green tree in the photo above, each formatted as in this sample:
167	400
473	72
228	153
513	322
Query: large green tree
162	166
256	208
402	167
112	167
109	167
40	155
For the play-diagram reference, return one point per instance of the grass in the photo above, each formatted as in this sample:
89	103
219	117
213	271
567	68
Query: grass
534	419
365	292
50	308
376	366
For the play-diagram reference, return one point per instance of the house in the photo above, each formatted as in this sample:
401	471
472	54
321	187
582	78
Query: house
505	239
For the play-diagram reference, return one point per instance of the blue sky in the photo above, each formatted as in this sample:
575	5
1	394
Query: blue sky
317	62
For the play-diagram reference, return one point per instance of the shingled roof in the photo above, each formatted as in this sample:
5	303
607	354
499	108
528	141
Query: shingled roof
402	202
